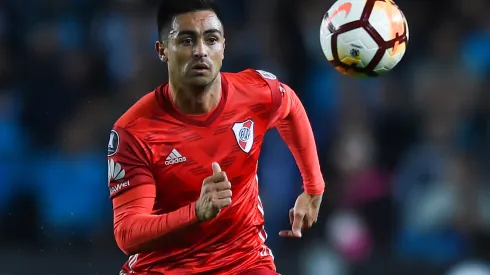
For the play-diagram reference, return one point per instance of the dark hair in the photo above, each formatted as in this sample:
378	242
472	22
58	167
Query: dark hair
168	9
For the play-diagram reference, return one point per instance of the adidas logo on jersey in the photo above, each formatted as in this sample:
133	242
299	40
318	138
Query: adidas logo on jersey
174	157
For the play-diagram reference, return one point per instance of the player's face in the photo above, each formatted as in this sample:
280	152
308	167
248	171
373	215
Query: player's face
195	48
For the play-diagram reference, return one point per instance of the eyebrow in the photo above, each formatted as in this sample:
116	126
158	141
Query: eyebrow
209	31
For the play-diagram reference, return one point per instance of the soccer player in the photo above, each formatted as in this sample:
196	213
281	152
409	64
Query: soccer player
183	159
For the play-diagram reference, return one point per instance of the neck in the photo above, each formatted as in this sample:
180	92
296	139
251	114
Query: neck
196	100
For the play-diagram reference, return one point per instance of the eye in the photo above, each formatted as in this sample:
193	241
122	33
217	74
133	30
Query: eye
186	41
212	40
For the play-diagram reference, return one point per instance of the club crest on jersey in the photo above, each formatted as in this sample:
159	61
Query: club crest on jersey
244	134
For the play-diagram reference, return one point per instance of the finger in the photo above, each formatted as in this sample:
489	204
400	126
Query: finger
224	194
288	234
291	216
223	185
221	203
298	223
308	222
216	168
208	180
219	177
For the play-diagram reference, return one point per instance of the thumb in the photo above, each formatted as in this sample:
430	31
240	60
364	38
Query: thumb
216	168
298	223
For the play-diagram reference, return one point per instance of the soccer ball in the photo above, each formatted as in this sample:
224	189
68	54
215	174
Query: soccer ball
364	38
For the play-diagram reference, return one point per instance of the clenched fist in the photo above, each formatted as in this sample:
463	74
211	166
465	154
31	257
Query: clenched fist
215	194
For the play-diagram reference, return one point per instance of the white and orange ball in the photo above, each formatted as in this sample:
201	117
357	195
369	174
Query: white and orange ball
364	38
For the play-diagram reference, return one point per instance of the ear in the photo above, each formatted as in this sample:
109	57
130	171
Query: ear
161	51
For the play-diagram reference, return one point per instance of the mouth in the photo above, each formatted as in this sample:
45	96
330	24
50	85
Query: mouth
200	67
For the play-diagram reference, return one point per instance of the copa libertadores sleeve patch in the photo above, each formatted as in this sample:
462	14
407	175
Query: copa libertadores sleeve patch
113	143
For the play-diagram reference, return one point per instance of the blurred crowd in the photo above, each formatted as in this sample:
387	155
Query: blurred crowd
405	156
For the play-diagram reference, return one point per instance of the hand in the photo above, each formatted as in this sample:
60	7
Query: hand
215	194
303	215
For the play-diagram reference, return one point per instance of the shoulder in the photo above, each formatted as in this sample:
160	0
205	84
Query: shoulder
144	108
255	83
251	77
130	129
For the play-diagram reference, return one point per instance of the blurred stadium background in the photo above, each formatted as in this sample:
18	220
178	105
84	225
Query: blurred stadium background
406	156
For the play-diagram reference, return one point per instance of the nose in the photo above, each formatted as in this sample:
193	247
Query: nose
200	50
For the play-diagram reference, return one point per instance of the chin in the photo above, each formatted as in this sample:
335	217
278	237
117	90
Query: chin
200	81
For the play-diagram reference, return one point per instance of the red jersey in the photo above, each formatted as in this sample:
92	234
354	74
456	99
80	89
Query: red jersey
155	144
